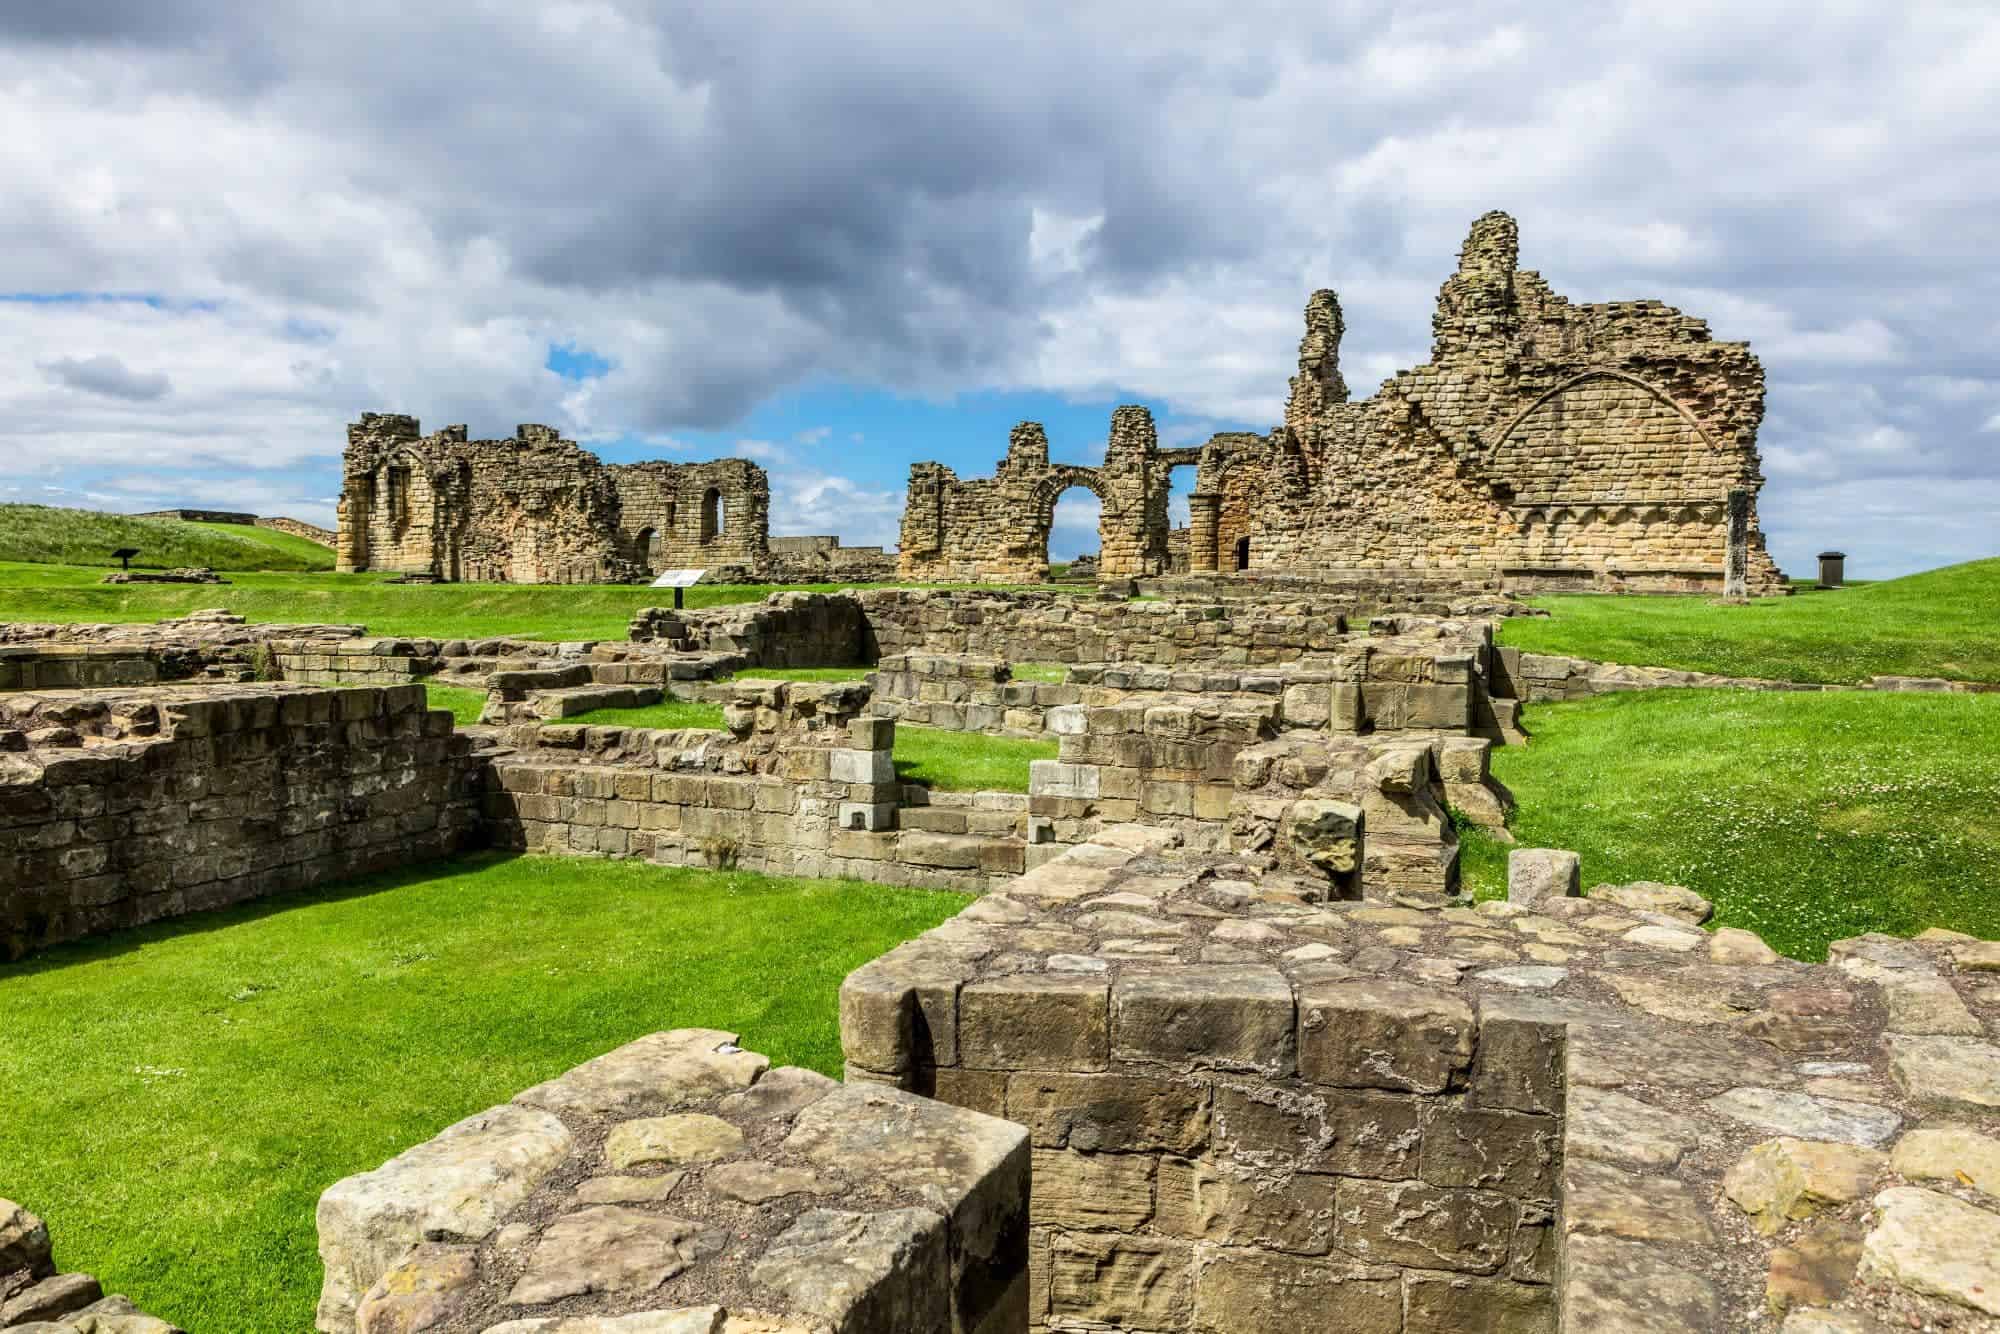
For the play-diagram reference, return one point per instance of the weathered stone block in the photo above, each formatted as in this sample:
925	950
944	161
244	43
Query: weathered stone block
1534	874
1381	1034
1035	1022
1212	1016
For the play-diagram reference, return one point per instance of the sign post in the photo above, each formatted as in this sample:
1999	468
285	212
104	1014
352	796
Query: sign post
124	556
678	580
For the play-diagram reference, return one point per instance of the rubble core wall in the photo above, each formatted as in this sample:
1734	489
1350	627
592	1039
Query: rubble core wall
1545	444
118	808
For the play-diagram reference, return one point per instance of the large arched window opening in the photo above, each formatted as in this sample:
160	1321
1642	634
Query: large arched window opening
1074	521
1179	519
712	519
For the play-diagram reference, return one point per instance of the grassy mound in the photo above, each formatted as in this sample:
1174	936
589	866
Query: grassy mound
179	1095
1804	817
315	556
1942	622
45	535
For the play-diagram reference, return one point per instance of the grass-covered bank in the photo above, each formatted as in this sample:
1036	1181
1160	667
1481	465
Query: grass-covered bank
177	1096
967	761
84	540
1939	623
1805	817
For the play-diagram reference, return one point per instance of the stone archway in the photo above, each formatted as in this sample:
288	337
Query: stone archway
1041	518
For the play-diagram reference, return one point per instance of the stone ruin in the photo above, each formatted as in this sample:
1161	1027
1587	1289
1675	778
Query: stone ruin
1544	446
539	509
1218	1046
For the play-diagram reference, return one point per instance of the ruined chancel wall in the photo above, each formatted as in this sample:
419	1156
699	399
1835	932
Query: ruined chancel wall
1546	444
538	509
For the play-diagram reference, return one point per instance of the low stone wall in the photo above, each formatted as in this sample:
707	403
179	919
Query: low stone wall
785	630
961	693
1053	627
36	1299
800	784
678	1185
118	808
69	666
1254	1109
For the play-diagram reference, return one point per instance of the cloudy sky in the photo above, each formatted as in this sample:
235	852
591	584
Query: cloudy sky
840	237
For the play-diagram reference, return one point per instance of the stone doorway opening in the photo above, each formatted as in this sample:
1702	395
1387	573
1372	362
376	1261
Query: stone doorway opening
1075	529
1242	553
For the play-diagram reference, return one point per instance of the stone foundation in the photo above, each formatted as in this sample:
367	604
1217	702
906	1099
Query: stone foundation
676	1185
1257	1109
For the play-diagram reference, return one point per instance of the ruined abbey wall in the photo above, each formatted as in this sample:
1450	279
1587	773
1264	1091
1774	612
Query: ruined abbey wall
538	509
1546	444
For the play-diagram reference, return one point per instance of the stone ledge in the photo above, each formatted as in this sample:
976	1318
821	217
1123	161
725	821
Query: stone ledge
679	1183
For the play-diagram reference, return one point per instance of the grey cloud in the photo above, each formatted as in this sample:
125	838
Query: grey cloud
109	376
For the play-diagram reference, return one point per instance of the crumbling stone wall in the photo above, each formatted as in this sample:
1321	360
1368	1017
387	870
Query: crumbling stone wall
1555	445
538	509
998	528
118	808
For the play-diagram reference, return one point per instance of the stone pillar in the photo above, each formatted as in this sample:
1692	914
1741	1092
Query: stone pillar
1736	562
1202	514
1832	568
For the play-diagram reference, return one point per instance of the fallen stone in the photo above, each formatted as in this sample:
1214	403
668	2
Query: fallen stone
1685	1001
1950	1153
783	1092
1735	946
1936	1245
604	1249
1803	1116
1650	896
1946	1072
1534	874
689	1137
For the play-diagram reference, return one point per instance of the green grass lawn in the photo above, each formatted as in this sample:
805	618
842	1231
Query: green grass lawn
178	1096
465	703
1940	623
966	761
46	535
39	591
669	713
1805	817
1039	671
